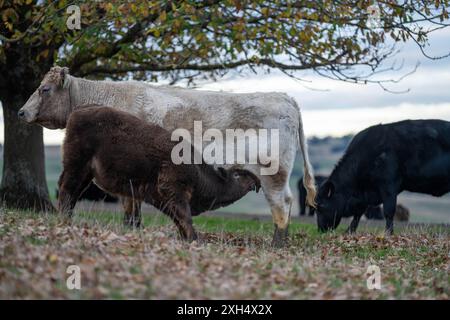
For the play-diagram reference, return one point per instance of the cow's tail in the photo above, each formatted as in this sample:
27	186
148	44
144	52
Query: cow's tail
308	175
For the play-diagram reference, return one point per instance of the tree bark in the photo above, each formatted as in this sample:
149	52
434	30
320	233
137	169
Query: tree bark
24	184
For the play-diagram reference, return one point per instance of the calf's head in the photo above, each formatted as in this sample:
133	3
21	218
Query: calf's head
334	203
239	182
49	105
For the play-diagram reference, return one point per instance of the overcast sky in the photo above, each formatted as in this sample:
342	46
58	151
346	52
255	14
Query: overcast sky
348	108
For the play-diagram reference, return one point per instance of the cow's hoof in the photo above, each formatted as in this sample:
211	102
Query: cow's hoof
280	237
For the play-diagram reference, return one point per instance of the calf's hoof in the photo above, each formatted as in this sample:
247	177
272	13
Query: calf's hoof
191	237
280	237
66	218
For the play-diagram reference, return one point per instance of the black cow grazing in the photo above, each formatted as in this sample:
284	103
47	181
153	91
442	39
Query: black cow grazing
302	194
382	161
372	212
94	193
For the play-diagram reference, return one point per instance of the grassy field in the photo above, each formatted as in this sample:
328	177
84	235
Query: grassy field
232	260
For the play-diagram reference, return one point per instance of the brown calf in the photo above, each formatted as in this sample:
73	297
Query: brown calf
130	158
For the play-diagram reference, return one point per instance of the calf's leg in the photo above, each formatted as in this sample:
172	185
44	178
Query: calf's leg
180	213
72	183
132	216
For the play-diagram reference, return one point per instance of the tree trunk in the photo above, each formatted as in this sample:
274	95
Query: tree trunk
24	185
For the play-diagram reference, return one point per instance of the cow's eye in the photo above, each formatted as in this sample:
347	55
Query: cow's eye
45	89
236	175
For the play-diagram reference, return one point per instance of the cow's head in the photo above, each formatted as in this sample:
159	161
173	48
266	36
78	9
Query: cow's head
333	203
49	105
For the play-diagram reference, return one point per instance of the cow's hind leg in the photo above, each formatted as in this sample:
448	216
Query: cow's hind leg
132	215
278	194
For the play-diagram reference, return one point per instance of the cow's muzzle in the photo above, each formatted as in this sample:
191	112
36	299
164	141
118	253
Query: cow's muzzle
25	116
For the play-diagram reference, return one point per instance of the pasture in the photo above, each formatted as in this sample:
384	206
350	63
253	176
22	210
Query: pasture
232	260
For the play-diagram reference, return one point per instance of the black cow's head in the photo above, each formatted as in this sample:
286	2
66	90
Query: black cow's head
334	203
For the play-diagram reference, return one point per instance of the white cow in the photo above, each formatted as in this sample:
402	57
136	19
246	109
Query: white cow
172	107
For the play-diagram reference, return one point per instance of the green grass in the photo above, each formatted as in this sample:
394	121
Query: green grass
207	224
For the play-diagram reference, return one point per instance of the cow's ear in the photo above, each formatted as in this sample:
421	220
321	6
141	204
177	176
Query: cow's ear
64	73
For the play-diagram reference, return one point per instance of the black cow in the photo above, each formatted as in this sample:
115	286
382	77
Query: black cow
382	161
372	212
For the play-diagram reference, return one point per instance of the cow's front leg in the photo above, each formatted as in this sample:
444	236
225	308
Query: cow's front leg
132	216
354	224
